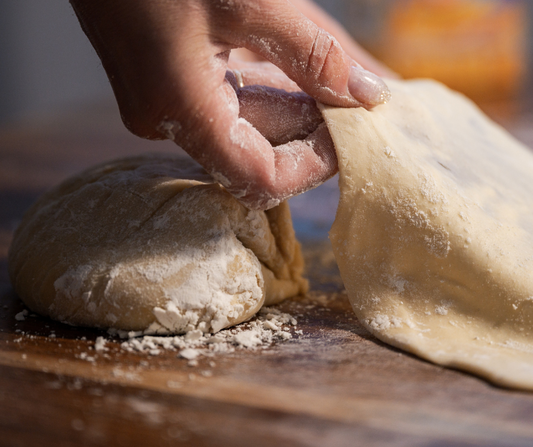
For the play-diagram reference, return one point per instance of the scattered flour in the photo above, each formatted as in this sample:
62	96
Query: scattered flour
381	321
86	357
270	324
189	353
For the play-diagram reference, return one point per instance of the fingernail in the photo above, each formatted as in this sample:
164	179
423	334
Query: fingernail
367	87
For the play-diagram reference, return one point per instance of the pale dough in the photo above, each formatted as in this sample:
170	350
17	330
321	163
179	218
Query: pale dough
434	230
152	244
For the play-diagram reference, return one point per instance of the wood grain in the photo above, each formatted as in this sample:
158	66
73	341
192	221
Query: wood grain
332	385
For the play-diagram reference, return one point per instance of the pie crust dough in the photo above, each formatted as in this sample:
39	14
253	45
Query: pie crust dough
434	230
153	244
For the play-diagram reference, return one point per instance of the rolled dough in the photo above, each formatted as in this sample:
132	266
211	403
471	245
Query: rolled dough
151	243
434	230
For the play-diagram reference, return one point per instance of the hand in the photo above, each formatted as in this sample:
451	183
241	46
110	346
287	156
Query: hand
167	62
323	20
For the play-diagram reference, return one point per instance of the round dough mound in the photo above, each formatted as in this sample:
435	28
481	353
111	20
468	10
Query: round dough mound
151	243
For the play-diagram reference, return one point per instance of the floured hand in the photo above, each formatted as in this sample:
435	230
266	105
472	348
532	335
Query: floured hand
168	61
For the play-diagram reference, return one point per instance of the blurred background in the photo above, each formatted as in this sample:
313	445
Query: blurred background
480	47
47	64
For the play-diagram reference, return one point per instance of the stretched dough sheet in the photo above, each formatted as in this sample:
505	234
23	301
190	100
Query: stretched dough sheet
434	230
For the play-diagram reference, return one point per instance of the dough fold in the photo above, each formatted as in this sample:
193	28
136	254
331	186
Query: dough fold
434	230
152	244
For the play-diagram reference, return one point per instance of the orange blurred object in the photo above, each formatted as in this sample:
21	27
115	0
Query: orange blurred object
477	47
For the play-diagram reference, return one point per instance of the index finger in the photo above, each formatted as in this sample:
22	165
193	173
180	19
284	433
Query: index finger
238	156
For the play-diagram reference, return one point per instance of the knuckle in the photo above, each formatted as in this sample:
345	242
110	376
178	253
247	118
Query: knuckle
324	51
230	16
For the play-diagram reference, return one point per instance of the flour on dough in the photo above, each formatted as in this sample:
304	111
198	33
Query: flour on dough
434	230
152	243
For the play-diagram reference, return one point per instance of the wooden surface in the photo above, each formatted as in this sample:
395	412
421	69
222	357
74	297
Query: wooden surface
332	385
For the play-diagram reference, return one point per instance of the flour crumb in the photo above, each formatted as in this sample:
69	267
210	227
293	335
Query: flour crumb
21	316
389	152
189	354
382	322
99	344
250	338
129	376
86	357
441	310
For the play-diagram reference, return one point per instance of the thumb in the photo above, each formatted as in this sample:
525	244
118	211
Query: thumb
308	55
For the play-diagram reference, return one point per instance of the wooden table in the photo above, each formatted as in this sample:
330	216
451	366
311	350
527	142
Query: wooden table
332	385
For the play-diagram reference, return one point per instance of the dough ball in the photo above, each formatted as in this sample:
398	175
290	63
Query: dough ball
152	244
434	230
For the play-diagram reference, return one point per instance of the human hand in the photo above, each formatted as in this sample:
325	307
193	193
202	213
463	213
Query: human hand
167	63
323	20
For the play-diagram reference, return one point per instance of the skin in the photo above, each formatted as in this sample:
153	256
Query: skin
253	125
